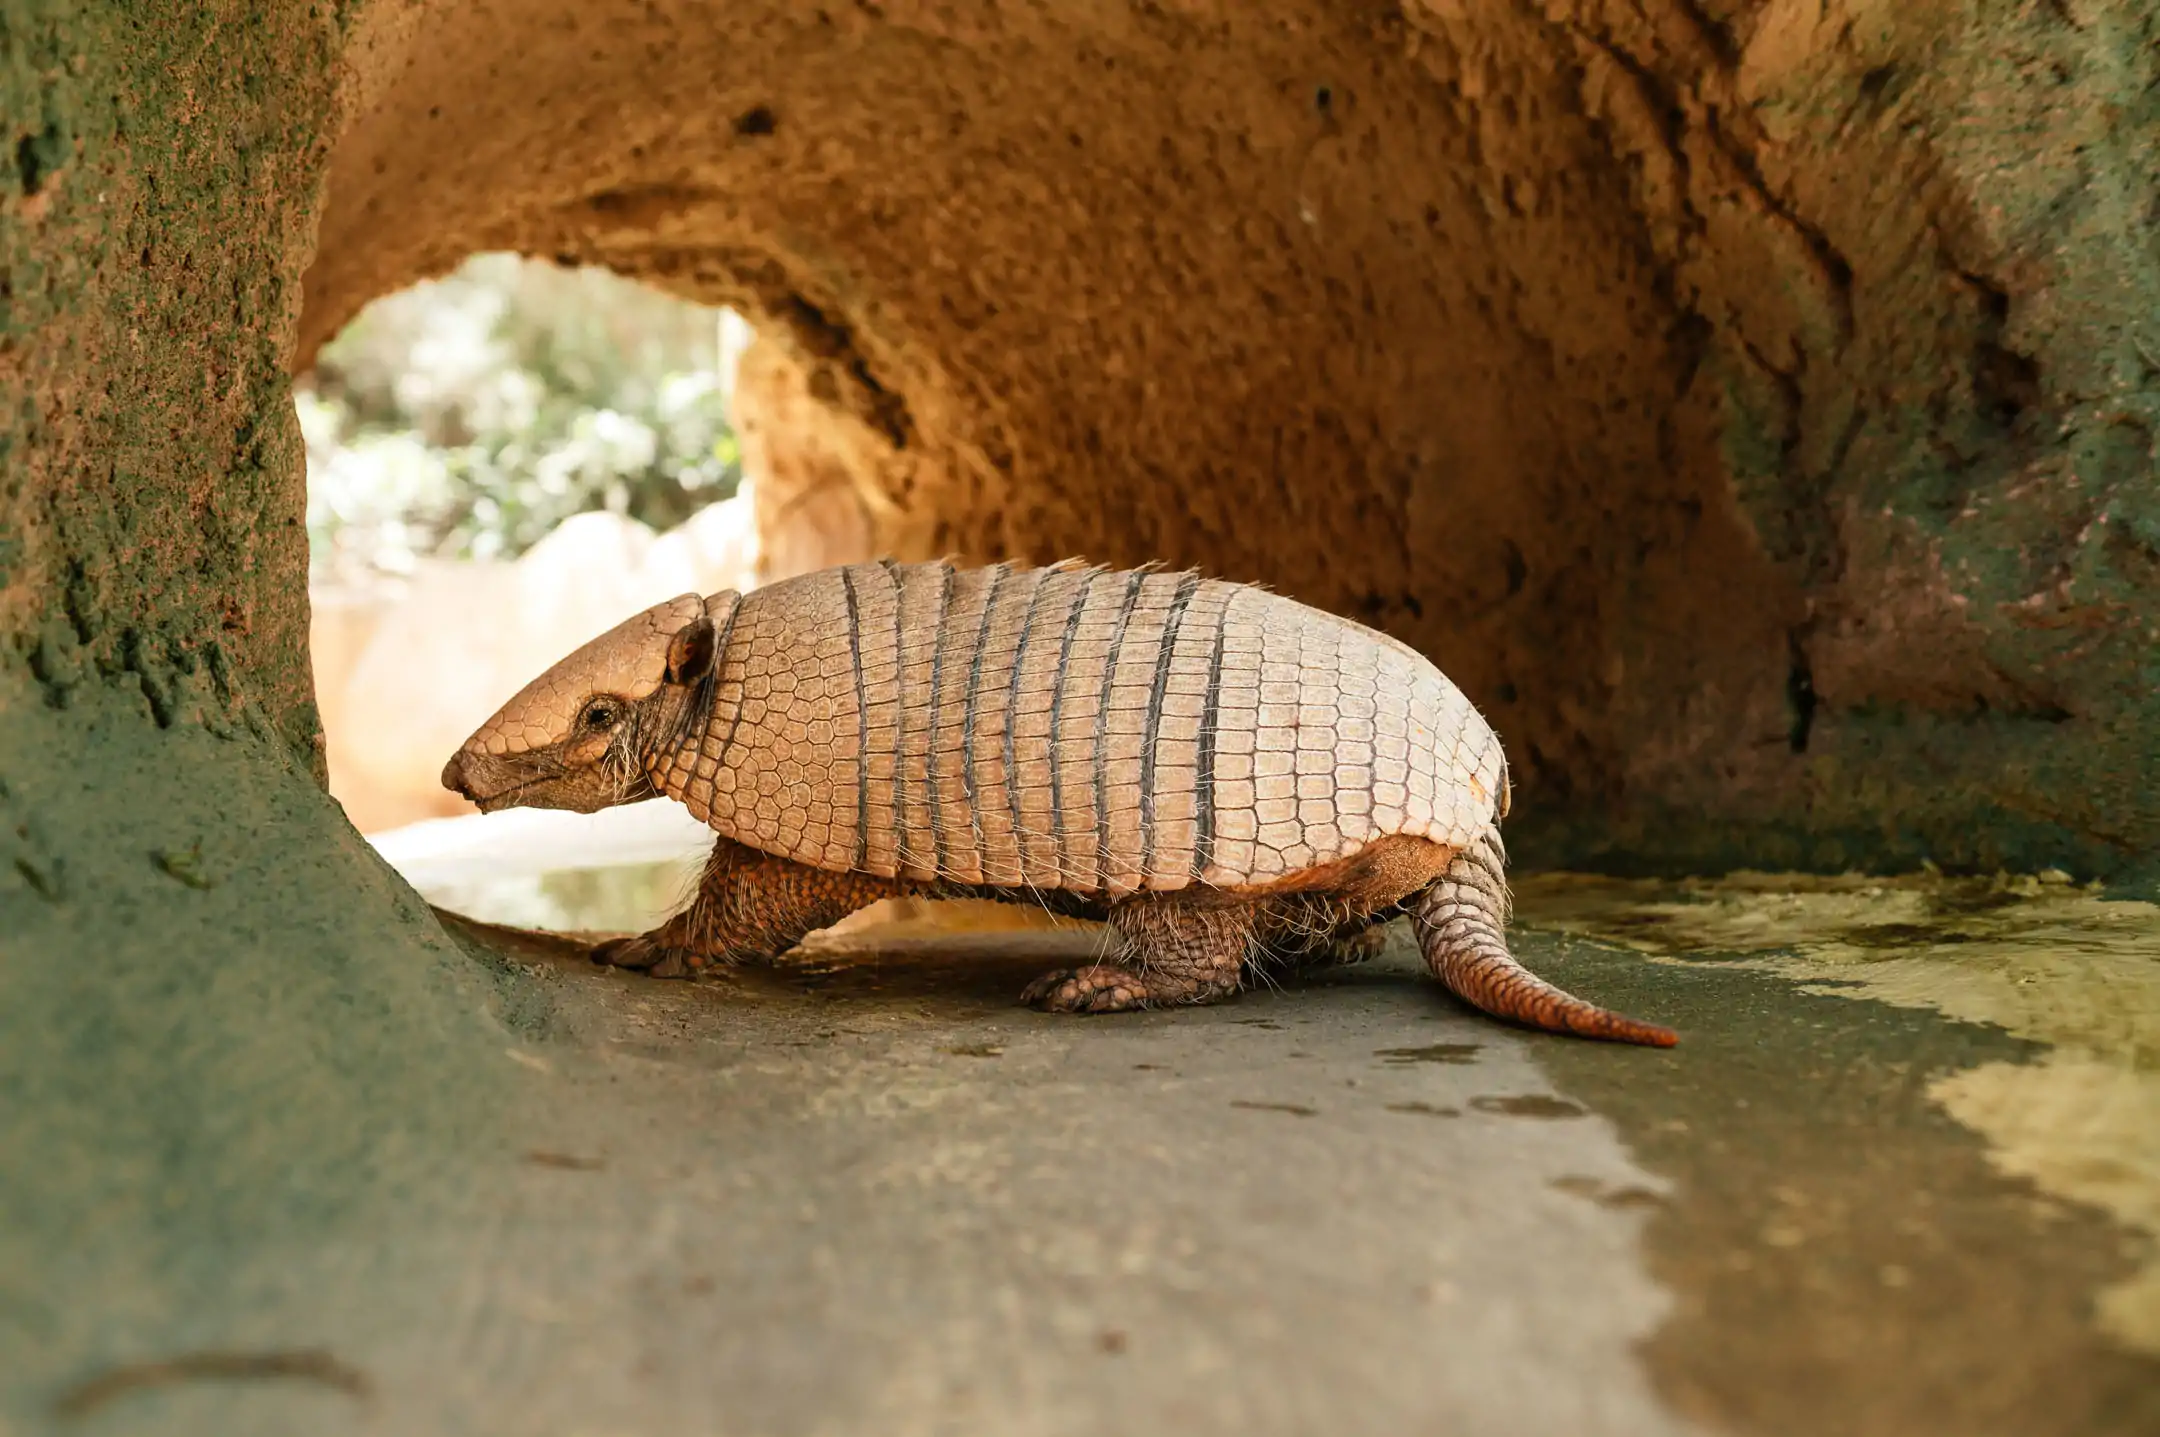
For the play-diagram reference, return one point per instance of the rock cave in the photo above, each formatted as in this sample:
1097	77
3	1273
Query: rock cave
1749	403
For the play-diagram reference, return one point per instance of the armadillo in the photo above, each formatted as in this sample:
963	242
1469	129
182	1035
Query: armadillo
1228	778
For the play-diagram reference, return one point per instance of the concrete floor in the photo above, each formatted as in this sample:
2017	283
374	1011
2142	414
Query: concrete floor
866	1193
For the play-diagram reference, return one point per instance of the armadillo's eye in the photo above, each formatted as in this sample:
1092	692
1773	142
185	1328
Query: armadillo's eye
601	713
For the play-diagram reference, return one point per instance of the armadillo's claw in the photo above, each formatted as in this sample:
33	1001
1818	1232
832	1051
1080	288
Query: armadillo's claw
1330	951
1115	988
1356	948
1101	989
645	954
1172	953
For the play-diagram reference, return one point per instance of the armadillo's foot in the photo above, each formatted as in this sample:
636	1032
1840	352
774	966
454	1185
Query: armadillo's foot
649	954
1113	988
1308	931
1360	947
1172	953
1105	988
1334	950
1459	925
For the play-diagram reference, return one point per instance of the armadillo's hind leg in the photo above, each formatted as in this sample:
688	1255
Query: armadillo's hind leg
1170	952
749	906
1358	943
1305	932
1461	921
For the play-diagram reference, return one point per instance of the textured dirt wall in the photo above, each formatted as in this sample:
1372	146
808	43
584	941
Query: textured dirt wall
816	502
1750	404
226	1029
153	223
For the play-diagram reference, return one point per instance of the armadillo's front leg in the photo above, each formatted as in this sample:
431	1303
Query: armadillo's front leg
1461	921
749	906
1170	952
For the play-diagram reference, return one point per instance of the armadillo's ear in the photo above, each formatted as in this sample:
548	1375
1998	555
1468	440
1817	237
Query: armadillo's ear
690	652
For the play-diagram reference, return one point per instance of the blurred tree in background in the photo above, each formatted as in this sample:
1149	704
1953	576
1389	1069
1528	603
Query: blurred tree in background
467	416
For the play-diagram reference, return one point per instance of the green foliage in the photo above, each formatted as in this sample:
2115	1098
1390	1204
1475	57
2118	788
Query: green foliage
469	415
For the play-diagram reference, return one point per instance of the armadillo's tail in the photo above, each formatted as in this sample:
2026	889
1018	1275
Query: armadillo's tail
1461	926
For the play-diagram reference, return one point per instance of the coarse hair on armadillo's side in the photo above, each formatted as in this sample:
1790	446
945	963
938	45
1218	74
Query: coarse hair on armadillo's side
1076	564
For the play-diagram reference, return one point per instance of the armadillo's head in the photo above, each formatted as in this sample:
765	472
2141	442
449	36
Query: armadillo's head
582	736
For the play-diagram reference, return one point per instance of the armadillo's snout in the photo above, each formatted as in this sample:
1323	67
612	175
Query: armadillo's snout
454	779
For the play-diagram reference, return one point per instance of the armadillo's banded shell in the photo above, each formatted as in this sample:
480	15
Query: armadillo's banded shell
1073	728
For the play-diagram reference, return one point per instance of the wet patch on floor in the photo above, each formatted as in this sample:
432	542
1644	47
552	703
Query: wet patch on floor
1431	1053
1528	1105
567	1162
1295	1110
1605	1194
1863	1237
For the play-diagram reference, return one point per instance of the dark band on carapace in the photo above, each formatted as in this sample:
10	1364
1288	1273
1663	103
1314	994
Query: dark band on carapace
1012	722
862	722
899	766
1203	852
938	851
1133	583
1188	585
1057	709
974	694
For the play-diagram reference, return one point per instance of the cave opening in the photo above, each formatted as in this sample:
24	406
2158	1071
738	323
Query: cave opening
502	463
